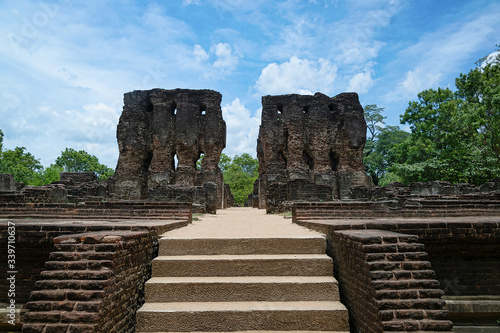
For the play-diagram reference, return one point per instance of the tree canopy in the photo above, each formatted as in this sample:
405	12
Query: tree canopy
455	136
379	145
80	161
240	173
27	169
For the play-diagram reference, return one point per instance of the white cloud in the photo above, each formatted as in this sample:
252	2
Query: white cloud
190	2
227	59
361	82
297	76
242	128
417	80
200	54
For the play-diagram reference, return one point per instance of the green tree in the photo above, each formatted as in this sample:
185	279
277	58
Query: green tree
454	135
379	144
48	175
240	173
21	164
80	161
374	119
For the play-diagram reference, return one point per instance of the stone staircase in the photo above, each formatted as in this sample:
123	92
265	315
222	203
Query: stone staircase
242	282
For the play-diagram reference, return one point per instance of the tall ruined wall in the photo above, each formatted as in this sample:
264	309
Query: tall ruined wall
158	125
310	148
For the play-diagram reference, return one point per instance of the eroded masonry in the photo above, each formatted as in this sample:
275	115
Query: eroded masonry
309	148
161	128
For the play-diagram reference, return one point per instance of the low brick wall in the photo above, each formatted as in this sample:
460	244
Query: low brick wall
92	282
386	283
408	207
99	210
34	242
464	253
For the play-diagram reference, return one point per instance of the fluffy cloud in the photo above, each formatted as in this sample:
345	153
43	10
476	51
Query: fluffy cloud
200	54
226	59
242	127
297	76
418	80
361	82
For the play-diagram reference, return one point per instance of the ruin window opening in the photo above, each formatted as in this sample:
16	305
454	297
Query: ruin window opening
308	160
147	162
173	108
279	109
175	161
332	107
149	106
203	109
334	161
305	109
283	158
199	161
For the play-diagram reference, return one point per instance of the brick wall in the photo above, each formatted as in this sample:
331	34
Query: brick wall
474	205
92	282
99	210
386	282
34	243
464	253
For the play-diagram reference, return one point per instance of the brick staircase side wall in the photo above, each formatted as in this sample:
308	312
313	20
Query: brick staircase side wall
93	282
385	282
35	242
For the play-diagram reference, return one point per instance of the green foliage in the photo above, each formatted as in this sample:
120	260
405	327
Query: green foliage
455	136
48	175
1	142
374	120
224	162
240	173
79	161
21	164
379	145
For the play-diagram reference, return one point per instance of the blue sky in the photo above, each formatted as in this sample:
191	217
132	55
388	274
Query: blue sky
65	65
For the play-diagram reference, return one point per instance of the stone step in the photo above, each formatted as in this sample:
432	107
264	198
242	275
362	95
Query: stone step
244	265
170	246
242	288
242	316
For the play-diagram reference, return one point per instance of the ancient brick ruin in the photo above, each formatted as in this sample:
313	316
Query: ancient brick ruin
407	258
309	148
159	126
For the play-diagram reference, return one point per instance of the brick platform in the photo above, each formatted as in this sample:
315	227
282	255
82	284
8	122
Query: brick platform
97	210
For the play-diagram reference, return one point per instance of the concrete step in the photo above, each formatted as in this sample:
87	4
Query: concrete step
244	265
172	246
242	316
242	288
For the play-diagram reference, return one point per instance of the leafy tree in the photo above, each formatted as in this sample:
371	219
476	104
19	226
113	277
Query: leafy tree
240	173
455	136
48	175
80	161
379	144
1	141
224	162
374	120
21	164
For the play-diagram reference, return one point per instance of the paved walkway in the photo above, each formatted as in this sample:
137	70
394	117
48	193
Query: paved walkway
241	222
